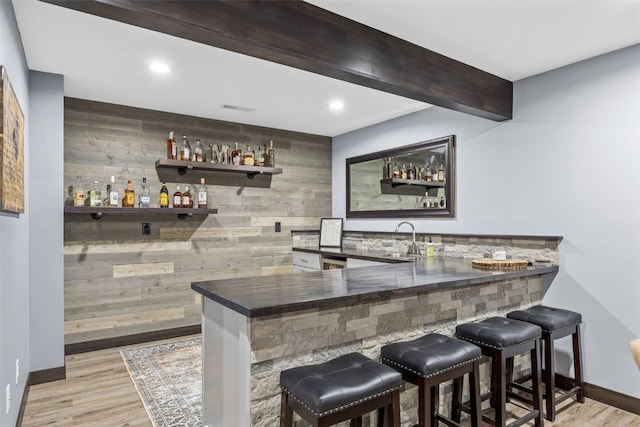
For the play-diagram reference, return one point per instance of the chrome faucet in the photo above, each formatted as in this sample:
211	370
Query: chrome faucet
413	249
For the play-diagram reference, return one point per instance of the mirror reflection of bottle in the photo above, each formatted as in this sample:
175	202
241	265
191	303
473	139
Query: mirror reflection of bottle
442	202
396	171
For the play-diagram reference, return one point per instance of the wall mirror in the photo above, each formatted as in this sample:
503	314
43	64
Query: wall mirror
416	180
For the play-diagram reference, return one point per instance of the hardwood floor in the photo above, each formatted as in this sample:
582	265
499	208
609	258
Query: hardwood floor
98	392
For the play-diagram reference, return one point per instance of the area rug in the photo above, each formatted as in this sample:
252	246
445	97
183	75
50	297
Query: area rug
168	378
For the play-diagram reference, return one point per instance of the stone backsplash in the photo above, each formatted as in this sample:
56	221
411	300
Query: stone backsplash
531	248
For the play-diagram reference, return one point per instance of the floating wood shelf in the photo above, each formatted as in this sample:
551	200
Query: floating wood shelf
98	212
184	166
396	182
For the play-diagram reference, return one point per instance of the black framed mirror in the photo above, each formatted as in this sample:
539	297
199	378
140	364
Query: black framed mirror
416	180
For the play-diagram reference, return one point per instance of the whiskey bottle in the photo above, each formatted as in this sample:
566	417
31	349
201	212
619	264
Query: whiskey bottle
203	195
259	160
403	171
171	147
411	173
185	149
113	193
129	199
187	198
145	195
177	197
78	192
271	156
248	158
95	195
198	152
441	173
164	196
236	155
396	171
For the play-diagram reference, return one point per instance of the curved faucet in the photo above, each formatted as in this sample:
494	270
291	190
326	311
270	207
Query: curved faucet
413	249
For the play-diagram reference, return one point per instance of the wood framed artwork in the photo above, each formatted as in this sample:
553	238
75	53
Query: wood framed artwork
331	232
11	148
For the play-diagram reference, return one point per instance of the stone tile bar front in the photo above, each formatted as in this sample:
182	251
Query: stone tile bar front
254	328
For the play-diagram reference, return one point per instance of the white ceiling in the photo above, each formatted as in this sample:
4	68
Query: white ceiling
108	61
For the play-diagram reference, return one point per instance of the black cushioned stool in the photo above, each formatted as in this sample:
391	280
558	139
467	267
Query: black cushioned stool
431	360
555	323
344	388
502	339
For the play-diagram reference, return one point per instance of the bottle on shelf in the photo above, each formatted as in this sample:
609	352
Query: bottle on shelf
172	147
113	193
198	152
236	155
129	199
248	157
434	173
427	172
389	168
441	173
145	195
411	172
396	171
187	198
95	195
78	192
164	196
259	160
203	195
271	156
403	171
185	149
68	200
177	197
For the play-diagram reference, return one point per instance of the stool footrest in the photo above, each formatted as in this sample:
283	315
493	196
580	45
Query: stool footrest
567	394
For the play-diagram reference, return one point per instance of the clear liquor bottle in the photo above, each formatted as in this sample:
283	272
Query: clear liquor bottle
113	193
185	149
198	152
236	155
95	195
248	157
78	192
271	156
203	195
145	195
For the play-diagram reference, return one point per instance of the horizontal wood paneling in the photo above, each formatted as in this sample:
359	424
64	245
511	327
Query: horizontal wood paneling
120	283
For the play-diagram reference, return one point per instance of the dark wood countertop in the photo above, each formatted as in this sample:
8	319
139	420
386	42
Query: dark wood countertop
285	293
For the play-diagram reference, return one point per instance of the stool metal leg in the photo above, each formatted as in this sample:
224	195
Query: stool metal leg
577	364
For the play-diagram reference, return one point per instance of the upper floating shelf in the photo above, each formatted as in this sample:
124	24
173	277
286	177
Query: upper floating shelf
183	166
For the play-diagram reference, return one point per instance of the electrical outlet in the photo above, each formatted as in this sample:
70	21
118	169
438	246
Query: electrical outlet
8	395
278	227
17	371
146	229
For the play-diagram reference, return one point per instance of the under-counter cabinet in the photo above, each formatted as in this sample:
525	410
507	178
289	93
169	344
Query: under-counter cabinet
304	261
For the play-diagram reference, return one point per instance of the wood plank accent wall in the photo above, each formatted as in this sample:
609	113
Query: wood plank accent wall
118	282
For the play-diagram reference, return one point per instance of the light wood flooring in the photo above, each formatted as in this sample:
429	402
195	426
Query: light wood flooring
98	392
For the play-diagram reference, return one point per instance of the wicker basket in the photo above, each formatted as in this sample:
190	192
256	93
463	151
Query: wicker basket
500	264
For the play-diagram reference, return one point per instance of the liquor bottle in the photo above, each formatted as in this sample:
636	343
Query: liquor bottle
411	173
259	160
248	157
434	173
203	195
177	197
271	156
236	155
129	199
198	152
396	171
113	193
185	149
95	195
68	200
187	198
441	173
403	171
78	192
164	196
172	147
145	195
389	168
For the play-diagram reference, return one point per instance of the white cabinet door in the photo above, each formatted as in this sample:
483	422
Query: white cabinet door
306	259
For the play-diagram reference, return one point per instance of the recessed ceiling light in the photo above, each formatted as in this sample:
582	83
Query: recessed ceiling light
336	105
159	67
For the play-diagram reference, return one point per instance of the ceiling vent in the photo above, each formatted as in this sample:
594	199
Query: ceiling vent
238	108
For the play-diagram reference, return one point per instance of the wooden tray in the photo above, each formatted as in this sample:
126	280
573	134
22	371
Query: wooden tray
500	264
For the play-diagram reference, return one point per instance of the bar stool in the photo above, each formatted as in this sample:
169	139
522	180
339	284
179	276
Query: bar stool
344	388
502	339
555	323
431	360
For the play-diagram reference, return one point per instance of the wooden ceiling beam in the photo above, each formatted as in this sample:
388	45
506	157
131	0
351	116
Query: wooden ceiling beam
303	36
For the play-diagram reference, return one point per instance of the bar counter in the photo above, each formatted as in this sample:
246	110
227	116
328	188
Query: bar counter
255	327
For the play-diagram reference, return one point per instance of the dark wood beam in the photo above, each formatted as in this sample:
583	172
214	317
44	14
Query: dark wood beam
306	37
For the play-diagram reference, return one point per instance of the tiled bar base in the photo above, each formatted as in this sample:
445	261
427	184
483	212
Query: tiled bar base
283	341
531	248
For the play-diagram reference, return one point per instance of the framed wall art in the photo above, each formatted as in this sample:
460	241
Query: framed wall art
331	232
11	148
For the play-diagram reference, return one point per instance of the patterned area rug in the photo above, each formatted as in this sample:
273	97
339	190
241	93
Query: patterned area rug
168	378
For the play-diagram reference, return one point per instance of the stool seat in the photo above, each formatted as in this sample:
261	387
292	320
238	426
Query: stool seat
550	319
339	383
498	332
430	354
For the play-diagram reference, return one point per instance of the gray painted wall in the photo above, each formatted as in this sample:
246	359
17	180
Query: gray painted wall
46	99
566	164
14	239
